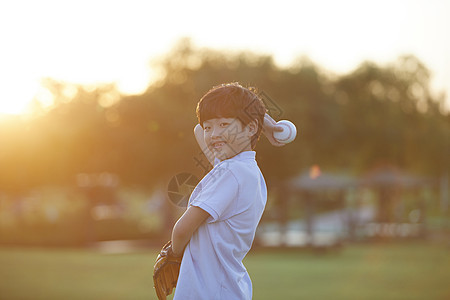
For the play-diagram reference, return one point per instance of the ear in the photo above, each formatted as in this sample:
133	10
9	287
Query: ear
253	127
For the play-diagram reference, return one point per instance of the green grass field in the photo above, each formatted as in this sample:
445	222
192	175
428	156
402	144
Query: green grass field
395	271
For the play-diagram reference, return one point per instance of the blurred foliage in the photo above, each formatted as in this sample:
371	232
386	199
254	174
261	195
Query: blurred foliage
375	115
71	217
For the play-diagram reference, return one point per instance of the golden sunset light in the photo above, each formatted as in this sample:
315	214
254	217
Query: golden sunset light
239	149
97	42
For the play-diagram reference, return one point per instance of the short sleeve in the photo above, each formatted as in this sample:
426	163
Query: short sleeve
217	194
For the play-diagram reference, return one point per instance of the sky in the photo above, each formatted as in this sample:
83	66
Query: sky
97	41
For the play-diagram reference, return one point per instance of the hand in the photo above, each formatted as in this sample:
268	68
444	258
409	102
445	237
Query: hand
166	271
269	127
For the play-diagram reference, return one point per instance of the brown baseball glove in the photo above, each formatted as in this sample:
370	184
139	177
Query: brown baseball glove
165	271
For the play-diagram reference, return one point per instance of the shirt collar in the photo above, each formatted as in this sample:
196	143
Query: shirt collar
240	156
245	155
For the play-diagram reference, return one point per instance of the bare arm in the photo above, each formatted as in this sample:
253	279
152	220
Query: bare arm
186	225
269	127
198	132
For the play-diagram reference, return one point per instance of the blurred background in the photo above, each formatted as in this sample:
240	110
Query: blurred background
97	110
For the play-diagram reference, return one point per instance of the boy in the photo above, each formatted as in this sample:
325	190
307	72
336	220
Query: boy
217	230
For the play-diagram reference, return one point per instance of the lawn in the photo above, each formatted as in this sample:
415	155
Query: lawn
389	271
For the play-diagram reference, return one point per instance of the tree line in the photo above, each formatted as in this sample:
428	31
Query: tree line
374	115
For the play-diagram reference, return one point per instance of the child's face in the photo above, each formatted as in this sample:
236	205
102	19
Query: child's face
226	137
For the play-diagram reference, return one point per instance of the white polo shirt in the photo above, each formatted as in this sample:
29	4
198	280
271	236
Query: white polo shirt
234	194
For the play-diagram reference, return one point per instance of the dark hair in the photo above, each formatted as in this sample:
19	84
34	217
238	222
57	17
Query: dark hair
232	100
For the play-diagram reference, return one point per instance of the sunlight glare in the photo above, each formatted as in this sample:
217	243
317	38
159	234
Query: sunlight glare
77	42
16	99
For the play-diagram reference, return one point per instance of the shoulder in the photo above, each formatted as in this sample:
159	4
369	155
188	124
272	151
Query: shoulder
222	176
243	170
232	166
